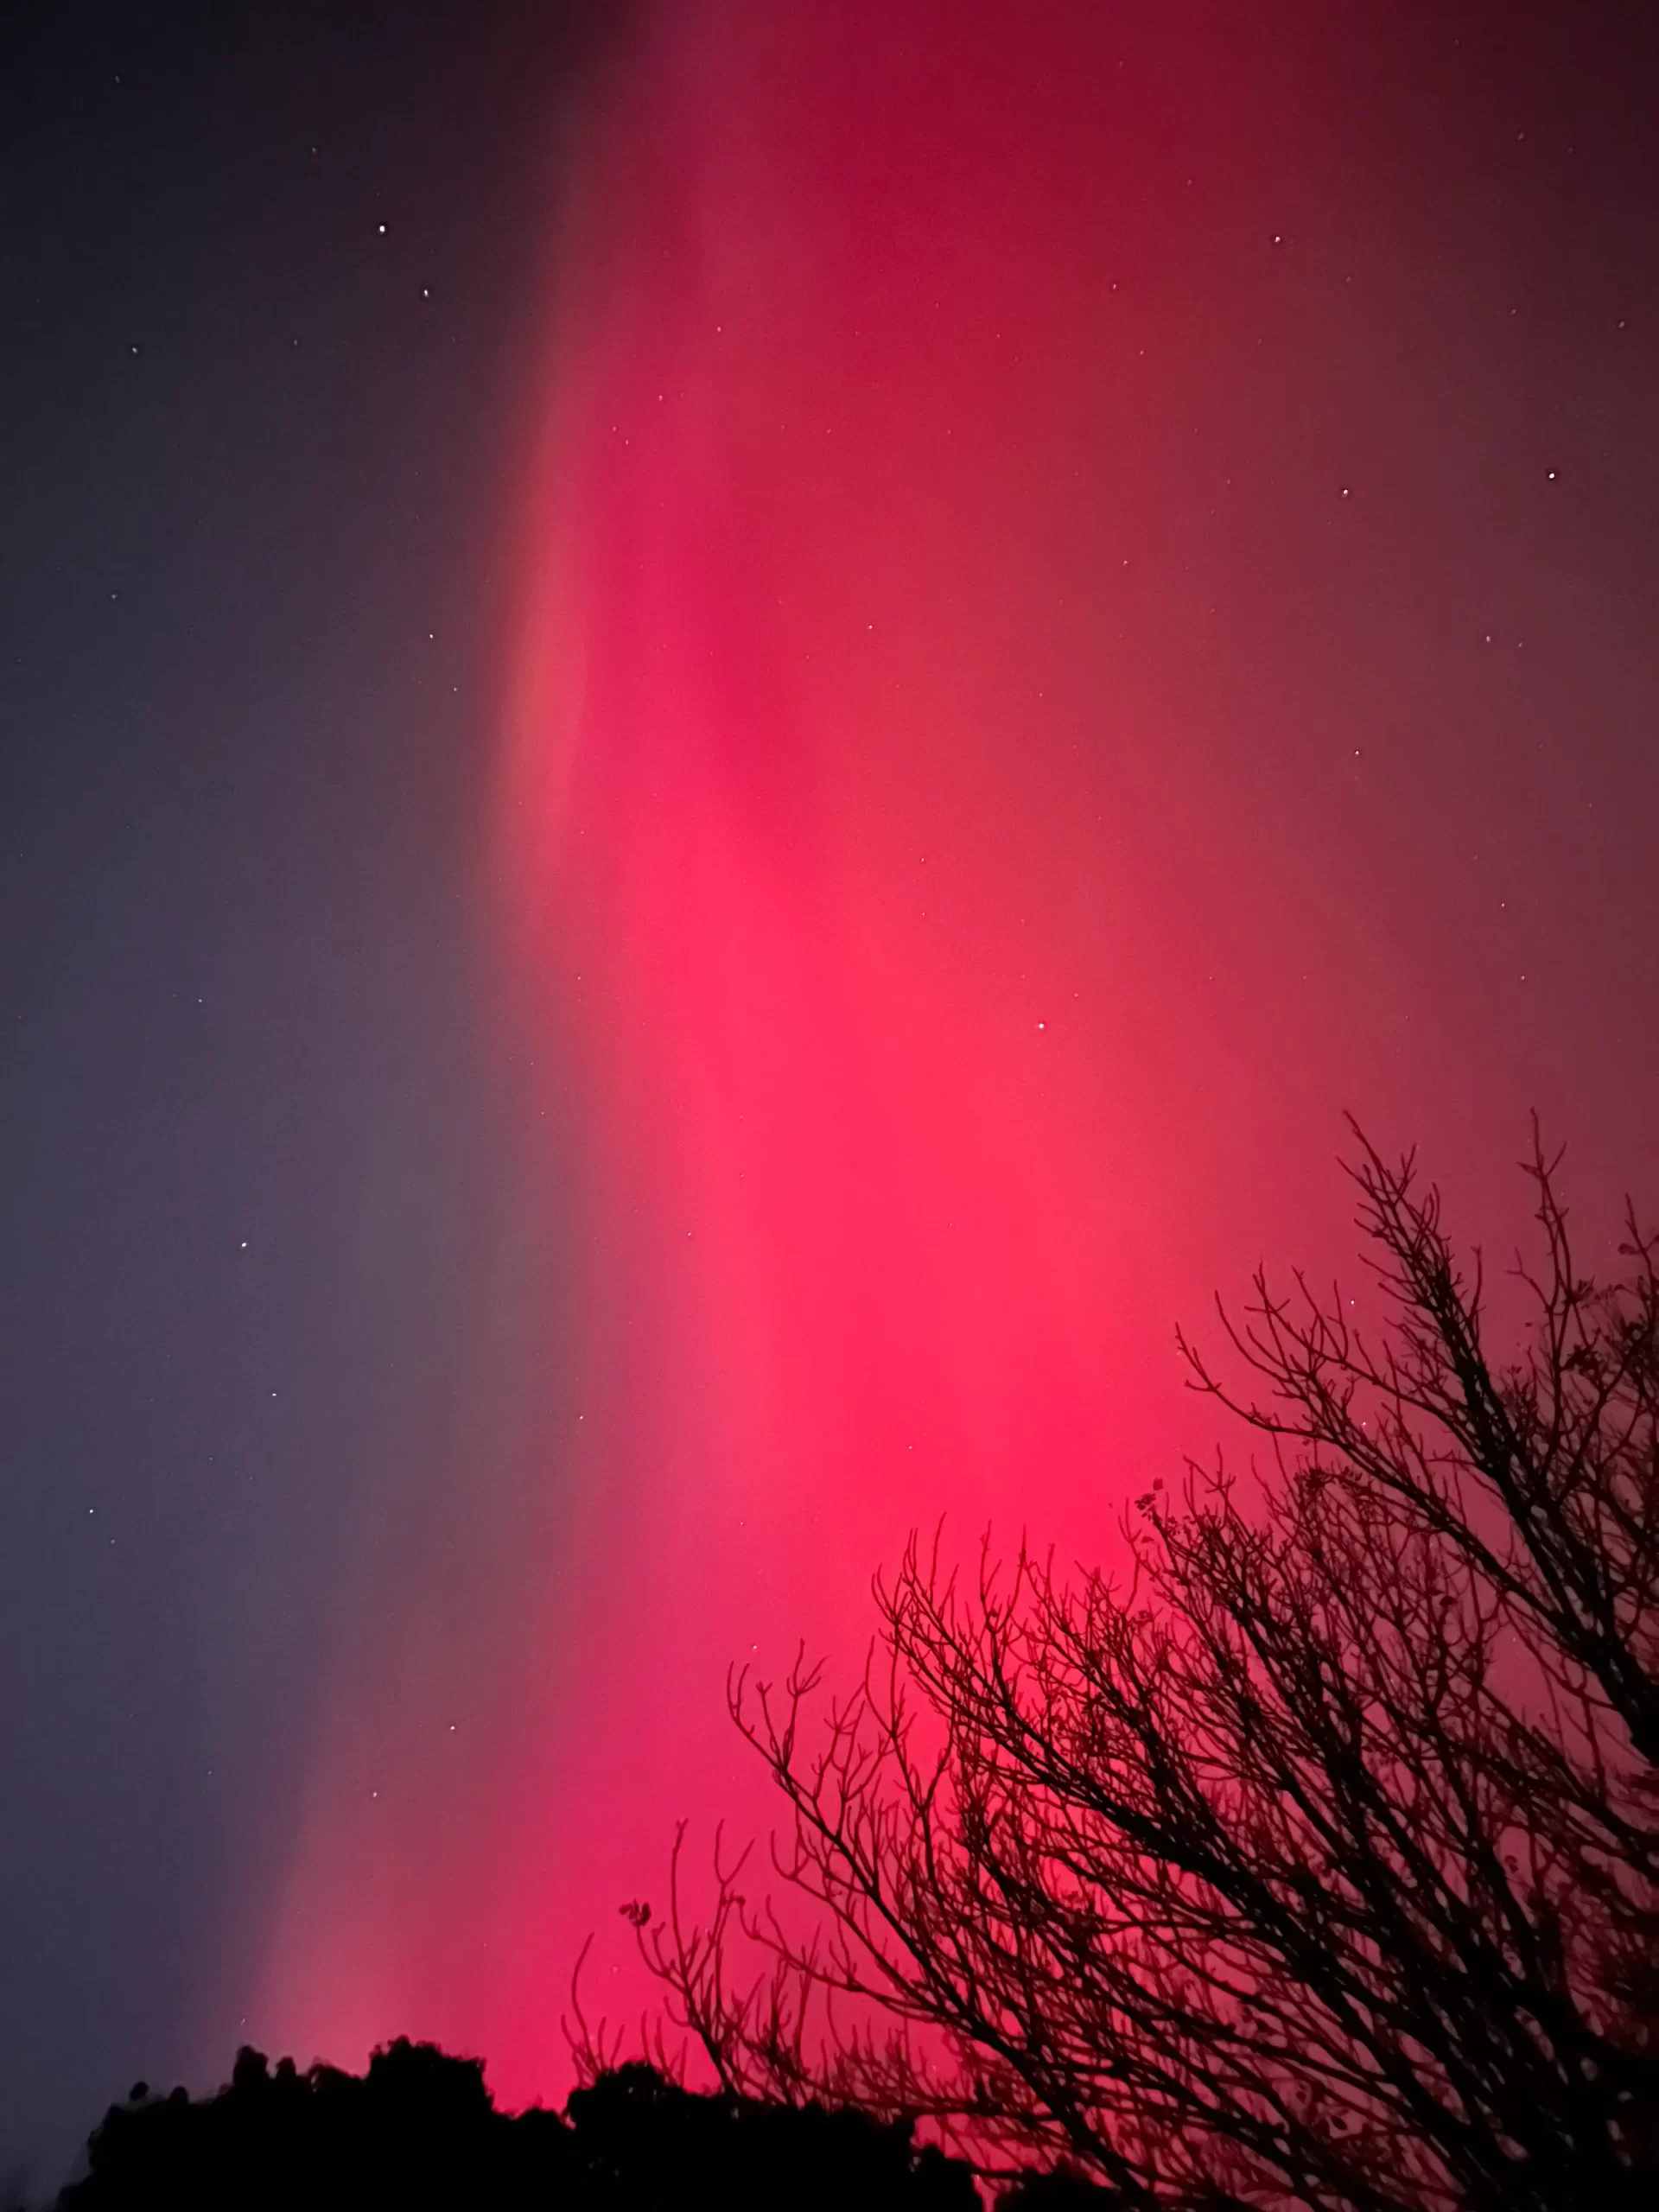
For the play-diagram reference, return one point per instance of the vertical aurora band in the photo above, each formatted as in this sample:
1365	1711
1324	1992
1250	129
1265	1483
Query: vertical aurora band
934	820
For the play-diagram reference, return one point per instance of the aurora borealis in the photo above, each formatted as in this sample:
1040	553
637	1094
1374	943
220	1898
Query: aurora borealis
1069	597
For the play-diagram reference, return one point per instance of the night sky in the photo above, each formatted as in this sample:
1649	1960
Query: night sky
725	732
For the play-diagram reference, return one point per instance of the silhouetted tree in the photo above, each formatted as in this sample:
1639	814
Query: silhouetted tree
1316	1862
419	2130
653	2142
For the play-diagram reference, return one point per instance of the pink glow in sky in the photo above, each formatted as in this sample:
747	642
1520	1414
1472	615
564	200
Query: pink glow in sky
1039	658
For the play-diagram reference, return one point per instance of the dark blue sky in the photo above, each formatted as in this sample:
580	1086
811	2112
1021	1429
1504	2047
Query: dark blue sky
256	1140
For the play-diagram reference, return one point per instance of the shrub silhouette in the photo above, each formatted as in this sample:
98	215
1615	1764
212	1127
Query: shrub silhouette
419	2130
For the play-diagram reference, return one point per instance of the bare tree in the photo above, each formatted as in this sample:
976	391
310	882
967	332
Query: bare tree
1317	1861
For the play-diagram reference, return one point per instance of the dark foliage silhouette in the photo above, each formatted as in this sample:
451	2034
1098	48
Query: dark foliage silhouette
419	2130
1314	1862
